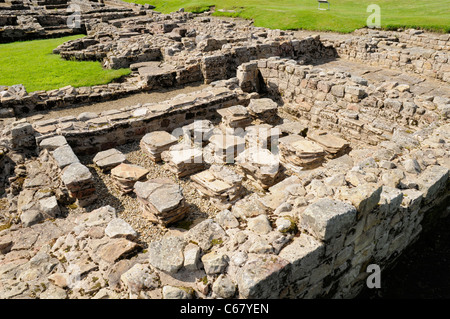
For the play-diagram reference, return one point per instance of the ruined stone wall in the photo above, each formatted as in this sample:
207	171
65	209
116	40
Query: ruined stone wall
370	219
19	103
344	103
425	54
88	135
219	66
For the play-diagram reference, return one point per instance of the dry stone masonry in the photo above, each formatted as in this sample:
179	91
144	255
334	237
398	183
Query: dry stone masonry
292	170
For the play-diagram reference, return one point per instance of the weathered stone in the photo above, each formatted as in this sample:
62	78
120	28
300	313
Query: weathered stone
65	156
224	287
432	180
49	207
214	263
60	279
75	175
140	277
53	143
304	254
31	217
53	292
249	206
205	234
262	277
327	218
412	166
116	249
98	217
109	159
265	109
167	254
259	224
170	292
191	257
118	228
226	219
365	197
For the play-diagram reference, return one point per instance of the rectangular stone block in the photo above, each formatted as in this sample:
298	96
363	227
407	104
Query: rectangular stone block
432	180
327	218
304	254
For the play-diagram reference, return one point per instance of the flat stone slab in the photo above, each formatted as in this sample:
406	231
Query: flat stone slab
155	143
291	127
329	142
129	172
162	199
109	159
64	156
116	249
118	228
261	106
52	143
126	175
76	174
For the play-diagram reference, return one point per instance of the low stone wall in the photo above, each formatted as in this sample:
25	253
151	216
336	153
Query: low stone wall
112	128
425	54
210	68
14	102
341	102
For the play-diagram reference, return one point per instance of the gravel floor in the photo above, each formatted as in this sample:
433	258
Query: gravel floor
129	208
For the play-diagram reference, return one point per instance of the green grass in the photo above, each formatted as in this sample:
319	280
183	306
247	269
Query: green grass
32	64
345	15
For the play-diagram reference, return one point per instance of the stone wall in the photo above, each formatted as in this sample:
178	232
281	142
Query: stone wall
424	53
341	102
91	133
219	66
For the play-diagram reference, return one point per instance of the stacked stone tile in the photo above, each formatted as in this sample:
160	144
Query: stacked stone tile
261	166
162	200
80	183
236	116
126	175
226	147
183	159
296	152
109	159
262	136
154	143
220	184
75	176
333	145
264	109
199	132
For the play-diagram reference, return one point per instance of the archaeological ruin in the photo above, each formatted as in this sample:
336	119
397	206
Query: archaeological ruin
281	164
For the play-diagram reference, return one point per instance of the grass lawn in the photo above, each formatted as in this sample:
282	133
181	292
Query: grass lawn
32	64
344	16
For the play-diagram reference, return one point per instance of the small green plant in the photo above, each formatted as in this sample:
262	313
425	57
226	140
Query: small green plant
216	241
